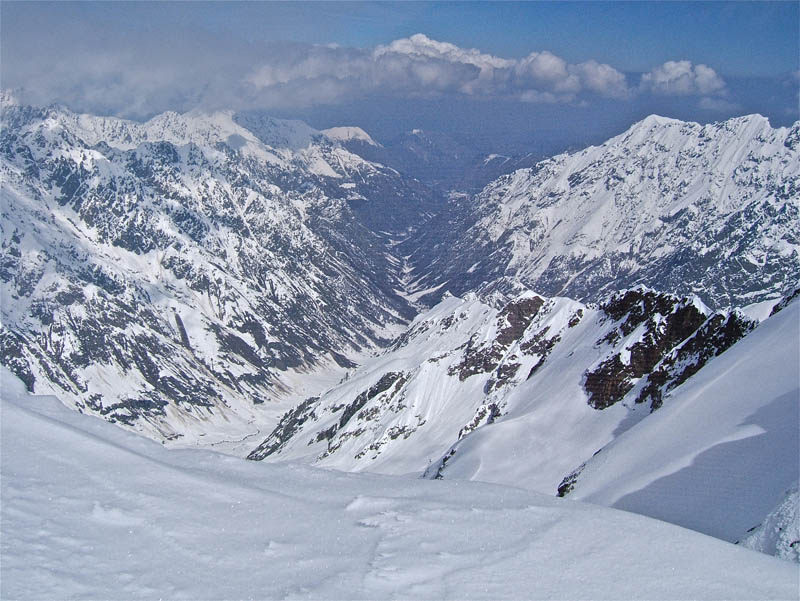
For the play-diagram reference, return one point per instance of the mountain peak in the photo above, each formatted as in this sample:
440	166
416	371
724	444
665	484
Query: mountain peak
349	133
658	120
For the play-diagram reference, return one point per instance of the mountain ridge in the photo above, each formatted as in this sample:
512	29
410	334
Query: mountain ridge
248	262
668	204
160	282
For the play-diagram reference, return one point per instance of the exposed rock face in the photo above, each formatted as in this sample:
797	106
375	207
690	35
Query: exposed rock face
568	483
482	357
716	335
334	435
658	323
290	423
668	340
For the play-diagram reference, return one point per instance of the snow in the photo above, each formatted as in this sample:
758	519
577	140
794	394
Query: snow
346	134
549	427
259	274
91	511
661	188
760	311
779	534
723	450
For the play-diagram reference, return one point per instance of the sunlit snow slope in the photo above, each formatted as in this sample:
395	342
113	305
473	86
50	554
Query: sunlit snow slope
514	390
90	511
723	452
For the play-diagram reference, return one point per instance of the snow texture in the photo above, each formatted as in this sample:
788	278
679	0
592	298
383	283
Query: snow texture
90	511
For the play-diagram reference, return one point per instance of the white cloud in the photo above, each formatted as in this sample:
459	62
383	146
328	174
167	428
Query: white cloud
163	72
420	65
601	78
546	71
682	78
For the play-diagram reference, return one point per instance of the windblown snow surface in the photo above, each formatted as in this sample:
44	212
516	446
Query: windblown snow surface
722	453
90	511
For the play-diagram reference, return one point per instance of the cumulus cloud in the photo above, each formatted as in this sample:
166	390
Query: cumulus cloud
602	79
419	65
682	78
138	76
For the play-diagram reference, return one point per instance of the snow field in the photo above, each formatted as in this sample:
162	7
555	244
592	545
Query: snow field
90	511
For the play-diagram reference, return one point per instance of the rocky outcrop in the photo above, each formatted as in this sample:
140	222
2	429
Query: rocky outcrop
481	357
288	426
650	325
715	336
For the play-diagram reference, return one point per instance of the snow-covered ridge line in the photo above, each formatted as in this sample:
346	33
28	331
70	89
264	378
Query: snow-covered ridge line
349	133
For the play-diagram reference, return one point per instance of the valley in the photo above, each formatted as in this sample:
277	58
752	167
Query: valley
618	326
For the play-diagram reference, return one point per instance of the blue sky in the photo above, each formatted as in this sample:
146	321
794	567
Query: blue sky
737	38
533	65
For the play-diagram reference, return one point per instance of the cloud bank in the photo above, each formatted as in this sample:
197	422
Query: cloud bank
142	78
420	66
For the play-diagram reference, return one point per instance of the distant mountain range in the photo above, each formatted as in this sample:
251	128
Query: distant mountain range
173	275
708	210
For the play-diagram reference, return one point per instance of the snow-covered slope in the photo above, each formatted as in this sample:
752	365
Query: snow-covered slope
118	516
519	391
724	451
349	134
646	402
176	275
712	210
779	533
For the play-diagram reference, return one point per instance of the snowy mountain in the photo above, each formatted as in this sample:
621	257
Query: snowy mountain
723	453
555	378
350	134
206	279
94	512
178	275
711	210
195	276
646	402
